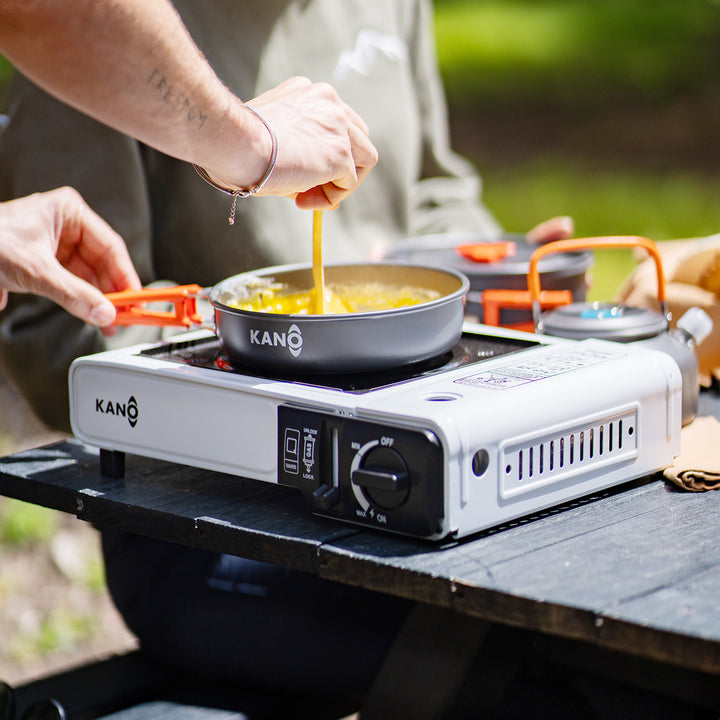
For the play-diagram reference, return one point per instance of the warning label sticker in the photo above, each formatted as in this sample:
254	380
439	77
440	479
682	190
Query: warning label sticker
522	371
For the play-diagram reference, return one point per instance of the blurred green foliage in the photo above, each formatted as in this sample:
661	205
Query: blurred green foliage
61	630
606	202
585	69
576	52
6	71
22	523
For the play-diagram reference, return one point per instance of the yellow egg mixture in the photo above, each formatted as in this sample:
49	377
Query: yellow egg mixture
367	297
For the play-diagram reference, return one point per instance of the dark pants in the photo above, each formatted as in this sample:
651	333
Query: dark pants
249	622
265	627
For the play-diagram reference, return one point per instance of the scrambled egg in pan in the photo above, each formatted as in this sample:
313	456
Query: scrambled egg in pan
367	297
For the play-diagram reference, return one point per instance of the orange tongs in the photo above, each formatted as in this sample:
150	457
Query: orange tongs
183	298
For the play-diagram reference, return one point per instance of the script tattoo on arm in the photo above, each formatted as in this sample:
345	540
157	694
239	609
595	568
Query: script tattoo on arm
176	98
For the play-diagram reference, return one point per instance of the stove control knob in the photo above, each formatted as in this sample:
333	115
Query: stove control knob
384	478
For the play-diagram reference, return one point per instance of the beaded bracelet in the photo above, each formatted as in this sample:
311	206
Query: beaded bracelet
238	193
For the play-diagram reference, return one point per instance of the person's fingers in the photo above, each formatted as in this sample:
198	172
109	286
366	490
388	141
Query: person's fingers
325	92
104	250
3	298
91	249
314	199
304	91
356	120
329	195
102	314
365	154
363	157
68	255
77	296
334	194
377	252
322	142
556	228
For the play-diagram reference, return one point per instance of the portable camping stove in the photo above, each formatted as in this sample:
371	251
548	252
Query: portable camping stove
505	425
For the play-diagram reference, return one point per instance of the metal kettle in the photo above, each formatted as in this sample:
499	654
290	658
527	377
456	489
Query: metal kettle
622	323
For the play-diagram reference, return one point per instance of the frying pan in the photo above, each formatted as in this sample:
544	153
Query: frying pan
354	342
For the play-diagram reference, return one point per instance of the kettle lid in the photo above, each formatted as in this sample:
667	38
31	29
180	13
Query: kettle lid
604	320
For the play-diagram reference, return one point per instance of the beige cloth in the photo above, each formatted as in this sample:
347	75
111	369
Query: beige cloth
692	274
697	468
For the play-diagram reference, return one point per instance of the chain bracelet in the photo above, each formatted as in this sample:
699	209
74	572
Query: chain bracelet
236	193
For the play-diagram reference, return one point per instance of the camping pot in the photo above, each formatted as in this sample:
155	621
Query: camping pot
561	271
621	323
332	343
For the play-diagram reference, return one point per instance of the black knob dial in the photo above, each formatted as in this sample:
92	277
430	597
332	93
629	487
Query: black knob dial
384	478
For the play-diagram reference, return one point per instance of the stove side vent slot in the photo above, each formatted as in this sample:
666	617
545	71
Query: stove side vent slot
529	465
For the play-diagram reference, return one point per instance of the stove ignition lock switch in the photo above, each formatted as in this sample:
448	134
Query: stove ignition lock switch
383	477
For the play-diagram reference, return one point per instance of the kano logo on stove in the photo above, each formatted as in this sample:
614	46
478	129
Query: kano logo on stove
292	339
127	409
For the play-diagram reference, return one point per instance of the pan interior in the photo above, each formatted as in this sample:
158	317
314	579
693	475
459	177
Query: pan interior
367	286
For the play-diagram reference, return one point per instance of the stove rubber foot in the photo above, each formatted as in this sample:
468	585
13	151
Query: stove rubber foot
112	463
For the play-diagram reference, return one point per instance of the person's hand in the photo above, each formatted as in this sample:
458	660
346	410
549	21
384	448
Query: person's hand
557	228
52	244
324	148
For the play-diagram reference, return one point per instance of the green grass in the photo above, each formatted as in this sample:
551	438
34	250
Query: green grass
22	523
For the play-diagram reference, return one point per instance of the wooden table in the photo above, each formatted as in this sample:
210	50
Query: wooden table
627	582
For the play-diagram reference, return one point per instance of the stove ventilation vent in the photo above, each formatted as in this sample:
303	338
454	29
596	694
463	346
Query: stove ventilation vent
528	465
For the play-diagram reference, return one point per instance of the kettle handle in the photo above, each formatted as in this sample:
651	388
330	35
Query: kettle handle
591	243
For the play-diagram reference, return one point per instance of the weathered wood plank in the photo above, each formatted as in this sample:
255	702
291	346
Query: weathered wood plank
572	573
174	503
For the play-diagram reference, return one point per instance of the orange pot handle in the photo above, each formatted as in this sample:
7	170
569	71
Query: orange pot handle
489	252
183	298
592	243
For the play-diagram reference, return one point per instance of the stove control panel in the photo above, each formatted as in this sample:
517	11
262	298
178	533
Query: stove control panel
378	475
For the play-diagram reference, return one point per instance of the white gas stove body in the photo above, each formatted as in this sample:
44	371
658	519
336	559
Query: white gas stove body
440	456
